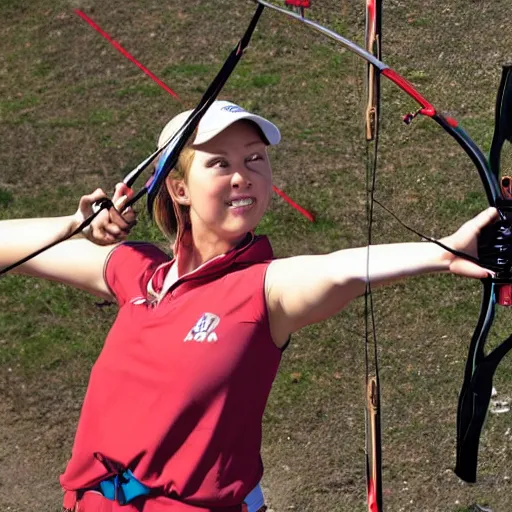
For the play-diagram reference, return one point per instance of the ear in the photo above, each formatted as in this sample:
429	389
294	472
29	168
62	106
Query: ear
178	191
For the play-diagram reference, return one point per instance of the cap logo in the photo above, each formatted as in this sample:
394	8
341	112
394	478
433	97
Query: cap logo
233	108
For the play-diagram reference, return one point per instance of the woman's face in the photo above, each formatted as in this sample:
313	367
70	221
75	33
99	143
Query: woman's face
229	183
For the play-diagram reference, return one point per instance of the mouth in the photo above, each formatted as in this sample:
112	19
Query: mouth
239	203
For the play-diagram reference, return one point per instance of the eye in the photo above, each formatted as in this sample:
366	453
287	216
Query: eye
255	157
220	163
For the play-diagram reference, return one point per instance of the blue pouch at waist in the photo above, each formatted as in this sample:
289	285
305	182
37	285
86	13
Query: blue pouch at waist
123	488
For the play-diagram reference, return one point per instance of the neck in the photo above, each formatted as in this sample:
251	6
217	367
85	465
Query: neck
193	251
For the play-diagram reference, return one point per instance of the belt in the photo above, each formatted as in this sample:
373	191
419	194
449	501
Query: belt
121	487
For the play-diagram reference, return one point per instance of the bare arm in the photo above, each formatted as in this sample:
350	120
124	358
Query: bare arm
307	289
78	262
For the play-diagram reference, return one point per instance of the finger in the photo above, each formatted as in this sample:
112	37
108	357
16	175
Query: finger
486	217
130	216
114	231
87	200
119	220
121	189
103	236
120	202
102	218
469	269
124	189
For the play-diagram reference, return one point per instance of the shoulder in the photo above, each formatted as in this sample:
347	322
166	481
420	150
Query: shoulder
130	266
133	255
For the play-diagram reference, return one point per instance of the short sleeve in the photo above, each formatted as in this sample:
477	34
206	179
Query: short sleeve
129	267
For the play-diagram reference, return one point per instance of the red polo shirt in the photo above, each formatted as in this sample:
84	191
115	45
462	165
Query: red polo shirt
178	392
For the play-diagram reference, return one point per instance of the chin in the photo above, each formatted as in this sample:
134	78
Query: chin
236	234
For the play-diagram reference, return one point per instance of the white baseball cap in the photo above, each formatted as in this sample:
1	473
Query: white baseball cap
218	117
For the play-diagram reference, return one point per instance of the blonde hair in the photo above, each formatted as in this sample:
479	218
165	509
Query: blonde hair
171	217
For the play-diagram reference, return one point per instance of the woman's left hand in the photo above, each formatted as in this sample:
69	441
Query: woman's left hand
465	240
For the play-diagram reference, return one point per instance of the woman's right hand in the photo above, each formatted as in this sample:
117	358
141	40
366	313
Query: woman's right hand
110	225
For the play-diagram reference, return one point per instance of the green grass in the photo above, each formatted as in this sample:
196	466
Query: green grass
75	115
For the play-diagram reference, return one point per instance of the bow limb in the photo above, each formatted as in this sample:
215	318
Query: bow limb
471	410
476	391
448	124
503	120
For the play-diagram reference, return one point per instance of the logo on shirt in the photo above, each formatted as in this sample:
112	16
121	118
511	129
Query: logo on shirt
204	330
233	108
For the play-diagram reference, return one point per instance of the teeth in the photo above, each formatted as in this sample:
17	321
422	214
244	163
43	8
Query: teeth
242	202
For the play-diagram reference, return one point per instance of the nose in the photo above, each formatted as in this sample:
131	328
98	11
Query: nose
241	180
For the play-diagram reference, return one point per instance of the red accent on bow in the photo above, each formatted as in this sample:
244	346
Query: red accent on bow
126	53
373	505
305	4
